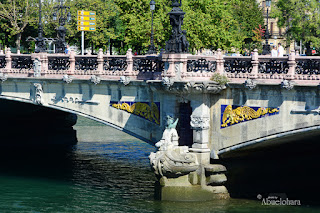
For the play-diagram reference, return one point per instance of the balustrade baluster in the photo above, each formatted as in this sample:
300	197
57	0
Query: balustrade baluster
129	59
72	62
220	62
100	62
292	65
255	64
8	59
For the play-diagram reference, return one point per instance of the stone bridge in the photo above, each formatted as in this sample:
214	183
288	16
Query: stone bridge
267	101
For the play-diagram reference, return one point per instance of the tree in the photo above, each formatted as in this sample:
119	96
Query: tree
250	18
136	17
301	19
18	14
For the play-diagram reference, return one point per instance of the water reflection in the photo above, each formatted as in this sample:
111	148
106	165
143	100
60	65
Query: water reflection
107	171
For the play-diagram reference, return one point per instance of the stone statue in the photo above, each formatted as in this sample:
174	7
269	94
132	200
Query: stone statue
171	159
170	135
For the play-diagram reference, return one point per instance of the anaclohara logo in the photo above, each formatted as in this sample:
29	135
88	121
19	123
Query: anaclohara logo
277	199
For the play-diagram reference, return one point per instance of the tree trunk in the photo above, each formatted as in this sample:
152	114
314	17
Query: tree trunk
18	41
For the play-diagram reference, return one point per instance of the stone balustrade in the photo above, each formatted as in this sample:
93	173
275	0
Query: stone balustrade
263	69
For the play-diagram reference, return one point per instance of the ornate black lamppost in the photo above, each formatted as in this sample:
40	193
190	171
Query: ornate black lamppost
177	42
266	46
64	16
152	48
40	44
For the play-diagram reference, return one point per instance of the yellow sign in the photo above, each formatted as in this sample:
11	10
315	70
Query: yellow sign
86	18
83	28
85	23
86	13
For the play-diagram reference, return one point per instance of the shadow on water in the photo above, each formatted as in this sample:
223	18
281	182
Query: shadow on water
289	170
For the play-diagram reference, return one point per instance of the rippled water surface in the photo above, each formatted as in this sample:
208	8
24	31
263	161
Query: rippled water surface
107	171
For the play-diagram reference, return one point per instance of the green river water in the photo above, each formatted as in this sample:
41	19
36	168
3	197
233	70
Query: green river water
107	171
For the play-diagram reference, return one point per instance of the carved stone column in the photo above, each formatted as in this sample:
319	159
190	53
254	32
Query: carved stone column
44	62
200	126
169	65
255	64
100	62
8	59
292	65
220	62
72	61
129	59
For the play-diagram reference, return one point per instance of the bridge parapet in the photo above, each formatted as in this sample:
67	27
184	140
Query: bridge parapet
300	70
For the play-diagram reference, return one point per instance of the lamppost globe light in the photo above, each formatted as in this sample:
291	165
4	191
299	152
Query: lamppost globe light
152	48
54	17
268	3
68	17
152	5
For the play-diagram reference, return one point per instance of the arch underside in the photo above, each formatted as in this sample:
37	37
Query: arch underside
287	138
83	114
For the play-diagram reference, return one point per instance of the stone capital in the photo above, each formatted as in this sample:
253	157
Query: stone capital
200	122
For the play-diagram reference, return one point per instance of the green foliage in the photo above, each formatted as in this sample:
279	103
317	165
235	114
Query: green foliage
301	18
210	24
220	79
17	15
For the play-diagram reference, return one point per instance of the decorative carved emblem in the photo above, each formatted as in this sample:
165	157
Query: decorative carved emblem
125	80
236	114
67	78
250	84
3	77
38	93
149	111
200	122
95	79
287	84
167	82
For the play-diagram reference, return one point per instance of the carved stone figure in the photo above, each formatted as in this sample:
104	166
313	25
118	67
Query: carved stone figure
167	82
3	77
287	84
95	79
125	80
250	84
172	160
66	78
38	93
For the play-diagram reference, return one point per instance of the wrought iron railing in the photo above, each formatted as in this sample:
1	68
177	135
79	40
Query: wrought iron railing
2	61
114	63
273	66
201	65
21	62
308	67
58	63
86	63
237	65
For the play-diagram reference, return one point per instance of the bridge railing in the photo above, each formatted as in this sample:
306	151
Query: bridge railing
155	67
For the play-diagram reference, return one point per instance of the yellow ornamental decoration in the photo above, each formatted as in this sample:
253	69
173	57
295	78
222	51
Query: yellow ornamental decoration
239	114
144	110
